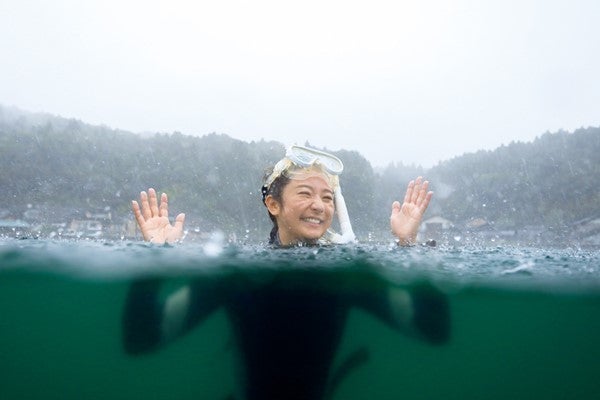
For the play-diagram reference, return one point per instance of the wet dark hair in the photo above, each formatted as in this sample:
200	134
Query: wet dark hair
276	191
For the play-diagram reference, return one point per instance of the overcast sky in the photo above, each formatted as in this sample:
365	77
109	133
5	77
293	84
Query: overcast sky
410	81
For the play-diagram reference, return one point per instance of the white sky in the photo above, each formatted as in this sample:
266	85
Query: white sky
411	81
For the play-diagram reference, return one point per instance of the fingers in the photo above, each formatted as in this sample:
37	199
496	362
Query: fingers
426	201
147	214
153	202
150	205
419	190
137	213
417	193
422	193
409	191
396	207
416	190
164	206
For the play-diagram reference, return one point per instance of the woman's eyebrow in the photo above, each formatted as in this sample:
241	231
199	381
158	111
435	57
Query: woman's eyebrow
305	186
312	188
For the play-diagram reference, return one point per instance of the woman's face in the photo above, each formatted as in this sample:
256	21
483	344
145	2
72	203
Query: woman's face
306	210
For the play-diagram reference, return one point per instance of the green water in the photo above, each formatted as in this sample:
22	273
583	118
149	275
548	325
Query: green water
532	332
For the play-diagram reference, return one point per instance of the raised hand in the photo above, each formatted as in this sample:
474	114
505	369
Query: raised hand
406	218
153	219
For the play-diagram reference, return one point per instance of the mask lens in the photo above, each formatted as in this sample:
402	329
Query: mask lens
305	157
332	165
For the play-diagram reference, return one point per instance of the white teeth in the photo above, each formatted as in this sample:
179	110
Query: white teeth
312	220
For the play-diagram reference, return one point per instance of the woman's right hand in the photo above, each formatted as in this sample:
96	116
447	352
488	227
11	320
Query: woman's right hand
153	219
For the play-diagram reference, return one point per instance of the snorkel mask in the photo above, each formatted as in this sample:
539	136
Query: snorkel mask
300	161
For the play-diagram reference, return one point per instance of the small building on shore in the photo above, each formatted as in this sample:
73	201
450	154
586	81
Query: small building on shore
436	227
14	227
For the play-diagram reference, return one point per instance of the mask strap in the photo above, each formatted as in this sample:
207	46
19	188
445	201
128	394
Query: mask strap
347	235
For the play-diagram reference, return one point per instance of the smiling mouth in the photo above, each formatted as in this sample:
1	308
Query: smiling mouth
312	220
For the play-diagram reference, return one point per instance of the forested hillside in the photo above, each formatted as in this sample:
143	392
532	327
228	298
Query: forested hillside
63	167
553	181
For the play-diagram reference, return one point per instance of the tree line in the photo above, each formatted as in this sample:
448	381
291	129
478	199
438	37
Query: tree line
66	167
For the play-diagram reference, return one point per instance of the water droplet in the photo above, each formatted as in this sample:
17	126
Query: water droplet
214	247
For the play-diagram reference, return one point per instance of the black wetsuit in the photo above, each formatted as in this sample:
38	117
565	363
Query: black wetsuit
286	336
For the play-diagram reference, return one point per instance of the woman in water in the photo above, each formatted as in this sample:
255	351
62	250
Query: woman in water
286	338
300	202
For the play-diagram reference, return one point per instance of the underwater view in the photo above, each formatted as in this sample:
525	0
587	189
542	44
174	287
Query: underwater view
515	322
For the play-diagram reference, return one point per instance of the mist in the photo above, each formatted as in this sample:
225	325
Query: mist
406	82
100	100
63	178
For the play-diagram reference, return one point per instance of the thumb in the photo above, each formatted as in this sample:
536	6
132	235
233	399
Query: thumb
395	208
179	221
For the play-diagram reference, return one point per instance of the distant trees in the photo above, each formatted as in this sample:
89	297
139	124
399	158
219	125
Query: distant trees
553	181
52	163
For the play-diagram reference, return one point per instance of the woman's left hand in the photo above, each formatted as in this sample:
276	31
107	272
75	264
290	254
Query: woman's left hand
406	218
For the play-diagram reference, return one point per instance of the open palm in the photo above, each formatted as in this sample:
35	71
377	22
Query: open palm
406	218
153	219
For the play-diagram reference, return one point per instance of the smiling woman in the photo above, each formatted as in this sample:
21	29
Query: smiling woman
301	212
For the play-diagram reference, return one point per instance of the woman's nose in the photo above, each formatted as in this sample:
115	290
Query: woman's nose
318	204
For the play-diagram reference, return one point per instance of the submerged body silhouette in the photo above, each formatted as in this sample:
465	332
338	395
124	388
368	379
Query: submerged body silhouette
286	337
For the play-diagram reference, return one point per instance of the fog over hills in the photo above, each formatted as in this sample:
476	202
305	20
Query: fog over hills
56	170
